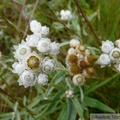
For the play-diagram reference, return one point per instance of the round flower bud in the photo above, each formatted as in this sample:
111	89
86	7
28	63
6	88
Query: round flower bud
71	59
115	54
44	45
72	51
88	72
54	48
74	69
32	40
27	79
80	49
33	61
89	59
104	60
45	30
78	80
65	15
35	26
74	43
117	43
22	52
18	68
69	93
48	65
87	52
42	79
107	46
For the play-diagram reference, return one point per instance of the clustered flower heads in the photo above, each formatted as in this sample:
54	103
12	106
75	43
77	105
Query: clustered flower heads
79	62
110	55
66	15
32	56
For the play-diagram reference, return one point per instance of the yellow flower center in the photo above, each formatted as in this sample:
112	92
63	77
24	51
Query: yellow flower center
116	54
33	62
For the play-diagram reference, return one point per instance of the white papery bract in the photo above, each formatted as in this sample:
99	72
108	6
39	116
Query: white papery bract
27	79
65	15
35	26
74	43
21	51
72	51
32	40
45	30
54	48
104	60
107	46
44	45
42	79
115	54
18	68
48	65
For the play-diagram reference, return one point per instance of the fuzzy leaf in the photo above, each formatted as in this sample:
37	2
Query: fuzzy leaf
91	102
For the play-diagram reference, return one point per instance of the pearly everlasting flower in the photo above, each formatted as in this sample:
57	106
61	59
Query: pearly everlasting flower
89	59
69	93
88	72
107	46
78	80
45	30
74	70
32	40
18	67
21	51
115	54
42	79
27	79
54	48
104	60
33	61
65	15
71	59
80	49
117	43
44	45
74	43
87	52
48	65
72	51
35	26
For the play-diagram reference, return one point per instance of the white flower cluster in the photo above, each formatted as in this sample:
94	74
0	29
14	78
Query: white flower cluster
79	62
66	15
33	63
110	55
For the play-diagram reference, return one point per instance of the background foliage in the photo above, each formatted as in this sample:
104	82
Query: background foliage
20	103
